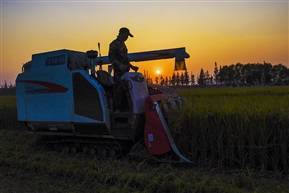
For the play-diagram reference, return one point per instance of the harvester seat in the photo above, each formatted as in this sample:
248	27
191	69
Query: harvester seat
104	78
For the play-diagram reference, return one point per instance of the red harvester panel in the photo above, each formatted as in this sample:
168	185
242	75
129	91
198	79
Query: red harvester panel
155	137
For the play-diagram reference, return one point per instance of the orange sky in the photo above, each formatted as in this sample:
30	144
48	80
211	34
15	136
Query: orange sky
223	31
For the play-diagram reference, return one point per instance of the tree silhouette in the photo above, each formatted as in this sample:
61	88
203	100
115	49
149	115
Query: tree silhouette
178	80
216	74
193	79
162	80
201	79
187	79
157	79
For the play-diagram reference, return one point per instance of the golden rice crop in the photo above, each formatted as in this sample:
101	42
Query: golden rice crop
245	127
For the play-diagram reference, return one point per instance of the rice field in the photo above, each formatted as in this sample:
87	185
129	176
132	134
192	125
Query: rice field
238	137
236	127
222	127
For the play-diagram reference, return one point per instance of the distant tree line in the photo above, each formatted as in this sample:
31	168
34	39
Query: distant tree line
235	75
6	89
239	74
177	79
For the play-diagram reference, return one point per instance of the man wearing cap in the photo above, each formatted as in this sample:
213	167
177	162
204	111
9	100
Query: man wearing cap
118	53
118	57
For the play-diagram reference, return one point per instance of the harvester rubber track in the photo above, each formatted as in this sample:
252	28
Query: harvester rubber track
96	148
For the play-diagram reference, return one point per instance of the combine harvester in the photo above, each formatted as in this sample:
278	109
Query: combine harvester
61	96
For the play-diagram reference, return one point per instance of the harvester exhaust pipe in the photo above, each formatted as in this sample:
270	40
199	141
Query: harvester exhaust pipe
92	54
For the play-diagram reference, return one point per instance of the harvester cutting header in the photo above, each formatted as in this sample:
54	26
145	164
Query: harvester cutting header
67	97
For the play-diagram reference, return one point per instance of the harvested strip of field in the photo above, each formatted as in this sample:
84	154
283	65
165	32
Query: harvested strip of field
25	167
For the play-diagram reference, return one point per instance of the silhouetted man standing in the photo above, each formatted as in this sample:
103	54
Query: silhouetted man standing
120	62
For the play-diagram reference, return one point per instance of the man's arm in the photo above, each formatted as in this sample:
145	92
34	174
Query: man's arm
135	68
113	52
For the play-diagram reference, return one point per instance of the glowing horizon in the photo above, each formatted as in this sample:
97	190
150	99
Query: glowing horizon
211	31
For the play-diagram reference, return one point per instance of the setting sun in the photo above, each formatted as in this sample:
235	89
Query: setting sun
158	72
